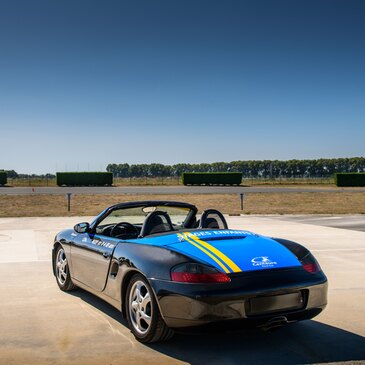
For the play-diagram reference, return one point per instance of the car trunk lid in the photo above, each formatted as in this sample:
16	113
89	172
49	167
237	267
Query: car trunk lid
233	251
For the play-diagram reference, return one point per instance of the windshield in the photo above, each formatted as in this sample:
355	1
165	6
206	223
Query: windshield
137	215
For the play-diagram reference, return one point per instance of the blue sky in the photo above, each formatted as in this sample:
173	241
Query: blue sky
87	83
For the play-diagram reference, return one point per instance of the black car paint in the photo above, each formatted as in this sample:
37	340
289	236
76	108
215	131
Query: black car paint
183	304
214	302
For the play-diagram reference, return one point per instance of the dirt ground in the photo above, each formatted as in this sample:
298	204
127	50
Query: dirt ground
254	203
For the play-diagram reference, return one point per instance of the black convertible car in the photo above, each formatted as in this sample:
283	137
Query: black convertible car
166	269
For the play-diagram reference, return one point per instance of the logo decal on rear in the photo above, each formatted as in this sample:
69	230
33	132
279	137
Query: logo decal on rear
263	261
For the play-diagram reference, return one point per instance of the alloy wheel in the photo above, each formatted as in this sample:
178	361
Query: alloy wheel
140	307
61	267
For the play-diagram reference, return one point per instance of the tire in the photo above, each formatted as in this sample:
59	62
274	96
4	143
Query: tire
143	315
62	271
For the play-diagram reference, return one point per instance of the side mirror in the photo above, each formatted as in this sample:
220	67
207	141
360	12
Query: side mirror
82	227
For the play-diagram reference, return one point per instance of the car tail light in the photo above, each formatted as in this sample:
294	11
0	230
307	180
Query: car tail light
198	273
310	264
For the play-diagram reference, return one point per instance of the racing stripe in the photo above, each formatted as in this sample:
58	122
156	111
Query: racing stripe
188	239
215	251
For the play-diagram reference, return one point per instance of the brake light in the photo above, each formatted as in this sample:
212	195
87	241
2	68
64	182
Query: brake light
197	273
310	264
312	268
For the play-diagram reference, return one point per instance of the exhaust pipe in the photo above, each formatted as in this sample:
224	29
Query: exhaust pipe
275	322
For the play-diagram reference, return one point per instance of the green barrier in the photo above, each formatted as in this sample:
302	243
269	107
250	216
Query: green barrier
84	178
350	179
212	178
3	177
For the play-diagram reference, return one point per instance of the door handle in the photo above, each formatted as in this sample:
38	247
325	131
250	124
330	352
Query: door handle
106	255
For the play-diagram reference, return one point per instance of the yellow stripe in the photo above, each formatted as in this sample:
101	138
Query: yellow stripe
206	252
218	253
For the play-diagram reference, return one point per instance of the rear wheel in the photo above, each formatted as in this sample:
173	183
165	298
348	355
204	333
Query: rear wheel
143	315
62	271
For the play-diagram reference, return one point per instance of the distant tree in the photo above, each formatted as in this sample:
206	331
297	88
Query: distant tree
120	170
113	168
156	169
179	168
11	174
123	170
139	170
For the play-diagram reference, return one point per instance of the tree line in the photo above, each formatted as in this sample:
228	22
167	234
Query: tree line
255	168
12	174
323	167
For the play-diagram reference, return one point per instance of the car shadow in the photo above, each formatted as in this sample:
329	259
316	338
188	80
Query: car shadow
99	304
306	342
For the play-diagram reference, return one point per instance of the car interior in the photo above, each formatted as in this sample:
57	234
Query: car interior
157	220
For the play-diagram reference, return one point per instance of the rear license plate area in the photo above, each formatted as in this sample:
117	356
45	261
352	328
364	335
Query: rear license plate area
274	303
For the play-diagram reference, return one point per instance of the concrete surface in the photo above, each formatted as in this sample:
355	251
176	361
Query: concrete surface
352	222
40	324
171	190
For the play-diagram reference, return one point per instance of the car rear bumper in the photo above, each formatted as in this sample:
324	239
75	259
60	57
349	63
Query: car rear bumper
187	305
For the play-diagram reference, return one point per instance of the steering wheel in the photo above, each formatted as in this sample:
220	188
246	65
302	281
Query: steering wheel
123	227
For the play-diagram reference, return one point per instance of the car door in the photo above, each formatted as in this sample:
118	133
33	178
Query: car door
91	256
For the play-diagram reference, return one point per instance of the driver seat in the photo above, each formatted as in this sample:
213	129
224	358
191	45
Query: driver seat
213	219
156	222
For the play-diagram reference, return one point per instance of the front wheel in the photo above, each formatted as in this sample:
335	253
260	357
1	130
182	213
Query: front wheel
62	271
143	315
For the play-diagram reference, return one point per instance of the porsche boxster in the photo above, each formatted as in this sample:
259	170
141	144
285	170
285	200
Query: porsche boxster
166	268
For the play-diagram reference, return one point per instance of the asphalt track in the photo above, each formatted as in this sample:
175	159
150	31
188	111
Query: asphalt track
176	190
40	324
